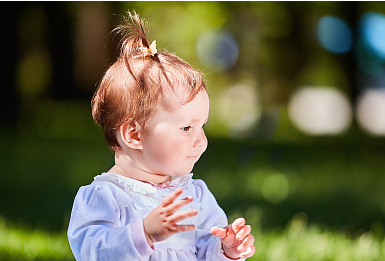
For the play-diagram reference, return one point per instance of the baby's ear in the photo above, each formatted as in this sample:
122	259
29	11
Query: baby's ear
129	135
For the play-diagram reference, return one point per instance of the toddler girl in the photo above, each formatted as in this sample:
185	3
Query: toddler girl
152	107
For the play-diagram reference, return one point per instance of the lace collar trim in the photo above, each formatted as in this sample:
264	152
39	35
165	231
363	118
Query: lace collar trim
129	184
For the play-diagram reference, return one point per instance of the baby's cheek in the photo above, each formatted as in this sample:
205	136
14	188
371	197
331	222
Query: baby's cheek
167	153
176	152
179	160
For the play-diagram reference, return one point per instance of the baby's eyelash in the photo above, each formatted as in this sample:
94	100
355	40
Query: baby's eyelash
187	128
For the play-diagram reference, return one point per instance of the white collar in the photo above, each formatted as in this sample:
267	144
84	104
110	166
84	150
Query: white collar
129	184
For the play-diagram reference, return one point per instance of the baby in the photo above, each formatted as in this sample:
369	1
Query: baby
152	107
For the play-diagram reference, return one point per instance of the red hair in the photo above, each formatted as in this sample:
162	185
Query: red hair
132	87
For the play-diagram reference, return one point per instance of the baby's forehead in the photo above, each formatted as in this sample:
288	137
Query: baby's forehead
174	97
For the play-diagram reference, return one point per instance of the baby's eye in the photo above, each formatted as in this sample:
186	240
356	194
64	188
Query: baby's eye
187	128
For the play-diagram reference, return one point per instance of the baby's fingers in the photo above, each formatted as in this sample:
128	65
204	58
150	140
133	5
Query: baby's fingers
184	228
248	253
170	198
243	232
247	242
181	216
238	224
173	207
218	232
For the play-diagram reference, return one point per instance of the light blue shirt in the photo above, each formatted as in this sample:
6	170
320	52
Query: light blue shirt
107	221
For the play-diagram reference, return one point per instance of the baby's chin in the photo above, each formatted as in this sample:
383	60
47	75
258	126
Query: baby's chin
183	172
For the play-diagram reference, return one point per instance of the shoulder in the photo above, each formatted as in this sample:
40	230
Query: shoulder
199	184
99	203
101	192
201	189
97	188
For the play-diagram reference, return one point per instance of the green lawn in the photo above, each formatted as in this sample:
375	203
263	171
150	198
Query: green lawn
20	243
296	242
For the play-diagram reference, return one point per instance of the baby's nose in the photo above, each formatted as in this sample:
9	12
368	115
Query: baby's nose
201	140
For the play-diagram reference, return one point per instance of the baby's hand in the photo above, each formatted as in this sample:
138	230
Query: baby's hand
161	223
237	242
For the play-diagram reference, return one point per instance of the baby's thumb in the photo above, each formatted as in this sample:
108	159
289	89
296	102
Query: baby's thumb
218	232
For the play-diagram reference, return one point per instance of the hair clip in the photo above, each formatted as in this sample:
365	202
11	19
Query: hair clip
151	51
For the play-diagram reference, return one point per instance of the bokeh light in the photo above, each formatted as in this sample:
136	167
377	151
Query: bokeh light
370	49
372	26
334	34
275	188
34	73
367	61
239	109
371	111
320	111
217	49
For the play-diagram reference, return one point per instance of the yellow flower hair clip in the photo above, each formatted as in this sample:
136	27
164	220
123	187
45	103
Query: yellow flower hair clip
151	51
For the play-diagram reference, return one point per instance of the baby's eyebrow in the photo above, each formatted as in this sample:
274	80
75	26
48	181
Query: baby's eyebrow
198	120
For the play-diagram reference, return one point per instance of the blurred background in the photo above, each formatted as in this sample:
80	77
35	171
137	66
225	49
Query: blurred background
296	130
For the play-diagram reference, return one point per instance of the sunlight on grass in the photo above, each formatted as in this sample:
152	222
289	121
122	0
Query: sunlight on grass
297	242
303	243
17	243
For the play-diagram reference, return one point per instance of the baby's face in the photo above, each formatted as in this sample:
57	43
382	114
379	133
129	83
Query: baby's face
174	138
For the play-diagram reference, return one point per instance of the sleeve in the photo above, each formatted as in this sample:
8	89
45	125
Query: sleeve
95	231
209	247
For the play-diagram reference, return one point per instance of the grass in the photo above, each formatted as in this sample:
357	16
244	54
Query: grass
302	243
297	242
20	243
